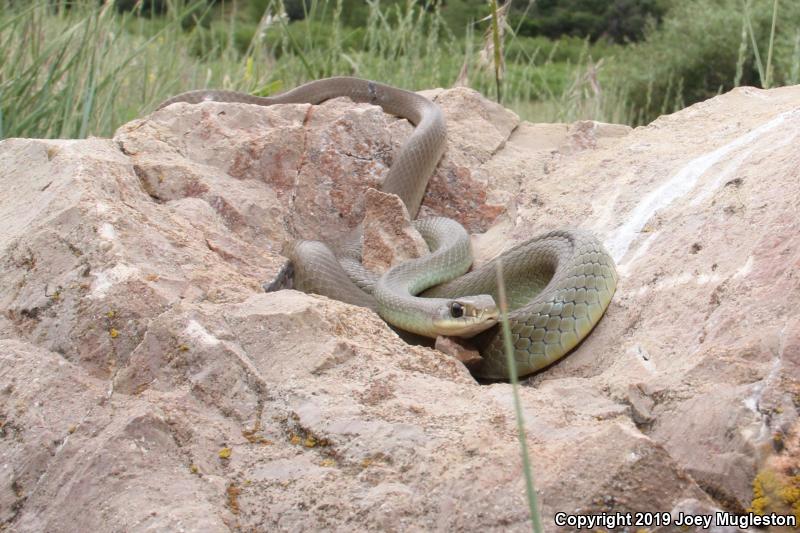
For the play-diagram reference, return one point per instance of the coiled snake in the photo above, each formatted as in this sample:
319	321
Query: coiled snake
558	284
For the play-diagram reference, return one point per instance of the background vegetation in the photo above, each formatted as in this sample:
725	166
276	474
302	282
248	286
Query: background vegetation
72	69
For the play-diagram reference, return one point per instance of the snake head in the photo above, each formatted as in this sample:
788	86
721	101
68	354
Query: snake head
466	316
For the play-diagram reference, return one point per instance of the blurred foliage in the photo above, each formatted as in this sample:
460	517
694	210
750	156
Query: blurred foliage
71	67
695	53
142	7
618	20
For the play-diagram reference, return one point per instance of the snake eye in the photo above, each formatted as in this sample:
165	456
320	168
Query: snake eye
456	310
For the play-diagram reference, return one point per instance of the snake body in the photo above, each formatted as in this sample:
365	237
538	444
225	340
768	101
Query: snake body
558	284
451	255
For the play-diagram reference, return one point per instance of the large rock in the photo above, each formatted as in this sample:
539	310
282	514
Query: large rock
146	382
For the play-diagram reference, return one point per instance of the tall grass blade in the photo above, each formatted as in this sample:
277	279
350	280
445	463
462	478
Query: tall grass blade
88	100
771	43
497	48
742	56
297	50
761	73
533	503
794	72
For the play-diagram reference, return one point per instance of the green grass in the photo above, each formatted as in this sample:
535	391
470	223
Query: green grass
706	47
87	69
508	347
82	71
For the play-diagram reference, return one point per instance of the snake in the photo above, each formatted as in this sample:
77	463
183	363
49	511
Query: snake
558	284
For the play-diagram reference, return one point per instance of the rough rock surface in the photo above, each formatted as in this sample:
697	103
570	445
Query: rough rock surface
147	384
389	238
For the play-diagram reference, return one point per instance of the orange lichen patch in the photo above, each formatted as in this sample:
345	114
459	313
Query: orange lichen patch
52	151
255	439
308	439
252	435
233	498
114	333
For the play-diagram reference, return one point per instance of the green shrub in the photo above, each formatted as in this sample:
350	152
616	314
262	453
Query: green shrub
80	68
295	9
566	49
697	52
458	14
243	34
617	20
144	7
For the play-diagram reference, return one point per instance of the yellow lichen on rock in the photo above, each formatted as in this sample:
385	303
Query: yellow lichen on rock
774	492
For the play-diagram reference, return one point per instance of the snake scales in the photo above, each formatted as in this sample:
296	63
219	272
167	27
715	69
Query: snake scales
558	284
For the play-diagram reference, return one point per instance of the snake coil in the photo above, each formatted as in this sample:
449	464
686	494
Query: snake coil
559	284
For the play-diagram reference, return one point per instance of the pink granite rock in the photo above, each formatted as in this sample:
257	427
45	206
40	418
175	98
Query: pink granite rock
146	382
389	238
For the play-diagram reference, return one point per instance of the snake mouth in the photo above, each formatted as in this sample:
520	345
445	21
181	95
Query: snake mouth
466	317
473	327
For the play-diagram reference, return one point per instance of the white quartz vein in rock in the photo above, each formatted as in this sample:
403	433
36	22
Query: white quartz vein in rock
680	184
196	331
106	279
